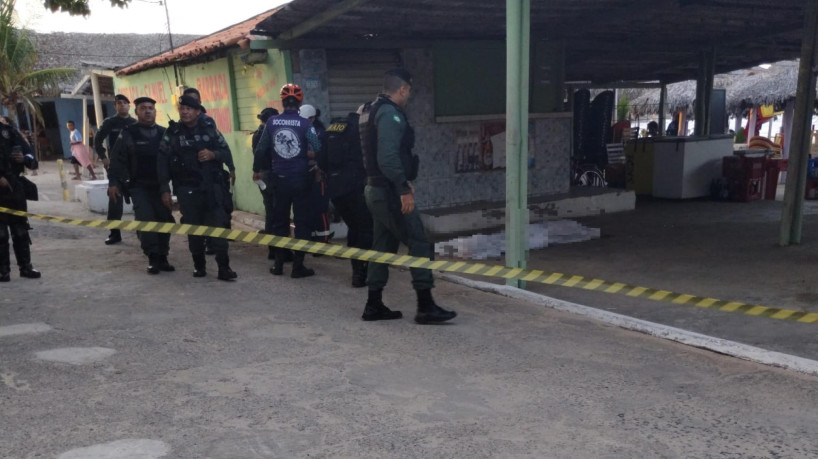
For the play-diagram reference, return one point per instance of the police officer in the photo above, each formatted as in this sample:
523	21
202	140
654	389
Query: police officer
387	141
192	154
231	168
319	200
109	131
133	172
343	164
288	144
15	155
264	176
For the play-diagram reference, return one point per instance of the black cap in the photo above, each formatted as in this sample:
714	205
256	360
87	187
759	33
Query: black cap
401	73
266	114
122	97
141	100
190	102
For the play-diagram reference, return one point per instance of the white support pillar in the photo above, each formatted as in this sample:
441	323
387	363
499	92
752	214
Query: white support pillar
97	105
751	124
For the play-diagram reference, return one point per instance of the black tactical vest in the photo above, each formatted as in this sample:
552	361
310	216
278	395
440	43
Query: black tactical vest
144	154
369	144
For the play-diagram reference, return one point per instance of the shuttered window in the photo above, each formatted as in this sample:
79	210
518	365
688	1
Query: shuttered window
356	76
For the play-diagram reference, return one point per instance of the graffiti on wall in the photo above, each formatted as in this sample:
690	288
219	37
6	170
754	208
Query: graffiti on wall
216	99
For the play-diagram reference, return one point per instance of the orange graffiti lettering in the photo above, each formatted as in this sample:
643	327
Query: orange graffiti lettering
266	88
223	119
213	87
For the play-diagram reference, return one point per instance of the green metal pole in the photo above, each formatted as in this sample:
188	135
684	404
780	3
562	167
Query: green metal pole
518	44
792	212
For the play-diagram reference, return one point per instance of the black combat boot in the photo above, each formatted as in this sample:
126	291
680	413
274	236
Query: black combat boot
114	238
29	272
359	269
164	265
199	265
22	252
278	263
376	310
153	264
225	273
299	270
428	311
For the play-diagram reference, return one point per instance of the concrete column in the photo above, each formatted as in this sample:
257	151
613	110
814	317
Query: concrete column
662	109
751	124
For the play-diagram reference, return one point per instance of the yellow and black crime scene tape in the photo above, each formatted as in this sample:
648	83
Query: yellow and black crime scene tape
480	269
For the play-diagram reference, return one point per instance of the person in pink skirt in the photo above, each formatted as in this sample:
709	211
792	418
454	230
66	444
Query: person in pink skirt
79	152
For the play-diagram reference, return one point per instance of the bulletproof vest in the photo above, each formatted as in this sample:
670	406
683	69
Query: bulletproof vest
119	125
8	140
340	156
288	140
144	154
185	168
369	142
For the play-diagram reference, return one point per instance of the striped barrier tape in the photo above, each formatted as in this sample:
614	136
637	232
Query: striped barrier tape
480	269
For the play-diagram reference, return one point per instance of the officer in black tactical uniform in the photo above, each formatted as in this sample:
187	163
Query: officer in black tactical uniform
229	176
192	154
343	164
133	172
386	142
109	130
264	175
15	155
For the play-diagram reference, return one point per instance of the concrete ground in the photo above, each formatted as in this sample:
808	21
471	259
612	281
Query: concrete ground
100	360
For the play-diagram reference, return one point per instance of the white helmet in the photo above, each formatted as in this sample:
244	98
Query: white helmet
307	111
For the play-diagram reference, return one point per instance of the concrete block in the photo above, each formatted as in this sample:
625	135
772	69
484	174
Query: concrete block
94	195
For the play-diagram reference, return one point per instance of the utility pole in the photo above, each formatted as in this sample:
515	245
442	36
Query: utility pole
170	39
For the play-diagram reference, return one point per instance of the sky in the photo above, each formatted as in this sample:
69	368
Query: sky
196	17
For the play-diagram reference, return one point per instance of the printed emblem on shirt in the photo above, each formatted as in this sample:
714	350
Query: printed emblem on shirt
6	134
287	144
396	118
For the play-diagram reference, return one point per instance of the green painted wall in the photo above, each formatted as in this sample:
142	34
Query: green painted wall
245	91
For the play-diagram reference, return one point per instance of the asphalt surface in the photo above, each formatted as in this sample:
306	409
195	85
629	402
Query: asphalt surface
117	362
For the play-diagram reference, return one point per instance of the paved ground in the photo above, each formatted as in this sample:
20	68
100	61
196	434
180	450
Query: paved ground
718	249
172	366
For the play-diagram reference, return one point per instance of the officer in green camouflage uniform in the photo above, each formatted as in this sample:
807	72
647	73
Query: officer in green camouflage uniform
386	142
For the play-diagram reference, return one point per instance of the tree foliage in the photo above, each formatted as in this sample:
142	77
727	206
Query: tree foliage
20	80
77	7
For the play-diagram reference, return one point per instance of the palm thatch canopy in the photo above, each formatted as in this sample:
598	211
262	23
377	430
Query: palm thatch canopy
775	85
680	96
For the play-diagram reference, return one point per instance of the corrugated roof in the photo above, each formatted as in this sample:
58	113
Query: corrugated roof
605	40
224	38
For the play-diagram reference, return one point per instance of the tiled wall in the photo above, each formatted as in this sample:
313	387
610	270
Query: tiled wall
438	186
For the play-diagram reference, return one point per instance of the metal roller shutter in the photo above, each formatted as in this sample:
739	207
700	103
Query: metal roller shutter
356	76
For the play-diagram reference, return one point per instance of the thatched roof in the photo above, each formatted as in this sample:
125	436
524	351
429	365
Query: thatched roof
99	51
773	86
680	96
